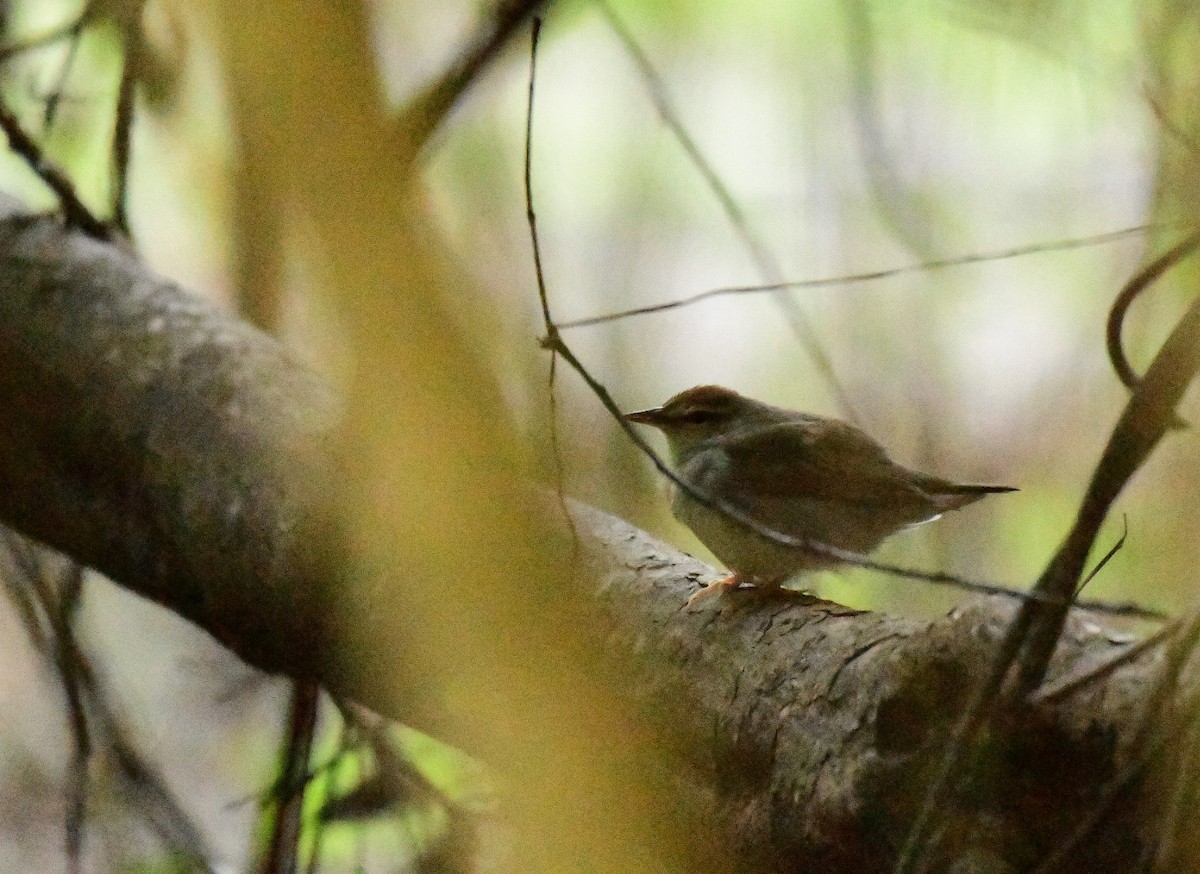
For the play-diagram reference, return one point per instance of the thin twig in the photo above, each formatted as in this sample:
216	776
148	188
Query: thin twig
424	112
895	204
768	265
73	686
867	276
1108	556
1054	692
87	705
166	818
530	216
54	98
41	40
58	607
123	122
283	849
90	710
555	447
1177	656
28	608
76	212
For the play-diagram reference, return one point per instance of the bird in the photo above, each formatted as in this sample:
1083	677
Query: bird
808	477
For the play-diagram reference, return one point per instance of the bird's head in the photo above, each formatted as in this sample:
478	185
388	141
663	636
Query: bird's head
700	414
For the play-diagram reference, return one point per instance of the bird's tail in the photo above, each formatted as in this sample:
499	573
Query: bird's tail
951	496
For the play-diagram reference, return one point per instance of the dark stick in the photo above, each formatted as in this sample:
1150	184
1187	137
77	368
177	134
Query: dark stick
123	130
76	212
424	112
283	849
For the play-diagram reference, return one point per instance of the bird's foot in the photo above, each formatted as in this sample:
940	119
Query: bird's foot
719	587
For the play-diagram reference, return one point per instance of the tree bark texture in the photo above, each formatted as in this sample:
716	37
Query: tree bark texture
182	453
814	726
156	439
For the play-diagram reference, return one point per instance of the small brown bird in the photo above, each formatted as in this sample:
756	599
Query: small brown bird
799	474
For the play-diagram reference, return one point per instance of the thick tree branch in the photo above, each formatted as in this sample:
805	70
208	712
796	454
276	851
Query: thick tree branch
162	442
814	727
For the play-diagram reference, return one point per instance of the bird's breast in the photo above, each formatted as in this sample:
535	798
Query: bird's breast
752	556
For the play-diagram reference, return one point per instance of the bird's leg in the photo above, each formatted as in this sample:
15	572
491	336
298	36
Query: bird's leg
719	587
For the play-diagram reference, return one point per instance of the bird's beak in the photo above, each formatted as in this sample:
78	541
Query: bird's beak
646	417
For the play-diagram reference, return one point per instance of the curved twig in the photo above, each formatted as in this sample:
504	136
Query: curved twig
1132	289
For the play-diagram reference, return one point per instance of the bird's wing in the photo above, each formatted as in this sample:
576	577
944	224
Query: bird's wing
822	460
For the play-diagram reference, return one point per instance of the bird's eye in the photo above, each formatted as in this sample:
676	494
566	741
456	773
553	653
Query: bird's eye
698	417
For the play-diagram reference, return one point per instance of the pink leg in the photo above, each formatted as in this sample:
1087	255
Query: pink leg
719	587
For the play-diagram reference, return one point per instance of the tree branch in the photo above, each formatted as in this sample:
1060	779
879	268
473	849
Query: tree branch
162	442
813	728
